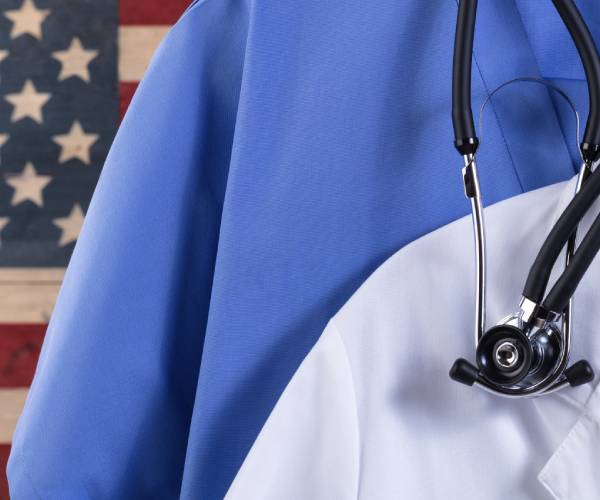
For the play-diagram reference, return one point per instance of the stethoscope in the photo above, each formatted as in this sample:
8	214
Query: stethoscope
527	353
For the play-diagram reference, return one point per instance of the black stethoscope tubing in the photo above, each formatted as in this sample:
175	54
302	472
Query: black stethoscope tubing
527	353
466	142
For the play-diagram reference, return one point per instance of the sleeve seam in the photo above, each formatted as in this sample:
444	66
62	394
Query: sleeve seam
355	401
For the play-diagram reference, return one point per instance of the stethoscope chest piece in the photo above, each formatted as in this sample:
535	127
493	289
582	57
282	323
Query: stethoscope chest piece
504	355
515	359
516	354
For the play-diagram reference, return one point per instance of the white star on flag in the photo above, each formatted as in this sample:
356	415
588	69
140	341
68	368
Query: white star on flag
28	185
75	61
28	103
70	225
75	144
27	19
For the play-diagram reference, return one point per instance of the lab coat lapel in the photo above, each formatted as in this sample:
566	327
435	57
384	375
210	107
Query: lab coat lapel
572	472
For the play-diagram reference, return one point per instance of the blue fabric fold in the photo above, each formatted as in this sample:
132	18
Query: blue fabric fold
275	154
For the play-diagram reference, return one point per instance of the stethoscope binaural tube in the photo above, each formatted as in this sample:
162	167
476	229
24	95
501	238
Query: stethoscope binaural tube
462	116
539	274
538	277
527	354
466	140
565	286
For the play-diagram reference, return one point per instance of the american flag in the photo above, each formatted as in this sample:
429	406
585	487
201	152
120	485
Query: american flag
68	69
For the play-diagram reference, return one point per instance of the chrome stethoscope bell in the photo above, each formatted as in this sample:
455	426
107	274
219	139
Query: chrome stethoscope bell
504	355
527	353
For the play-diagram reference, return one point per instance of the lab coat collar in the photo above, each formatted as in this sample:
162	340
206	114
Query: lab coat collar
572	471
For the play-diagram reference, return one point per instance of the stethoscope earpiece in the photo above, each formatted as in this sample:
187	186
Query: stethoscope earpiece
579	373
466	373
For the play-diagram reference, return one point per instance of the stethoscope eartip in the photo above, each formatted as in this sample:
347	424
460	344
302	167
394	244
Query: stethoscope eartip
464	372
579	373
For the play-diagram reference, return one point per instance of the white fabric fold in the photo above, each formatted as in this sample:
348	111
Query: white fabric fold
372	414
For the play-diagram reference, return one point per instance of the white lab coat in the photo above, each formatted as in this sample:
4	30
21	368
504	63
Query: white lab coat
372	414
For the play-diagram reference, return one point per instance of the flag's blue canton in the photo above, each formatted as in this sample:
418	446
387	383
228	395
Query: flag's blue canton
62	53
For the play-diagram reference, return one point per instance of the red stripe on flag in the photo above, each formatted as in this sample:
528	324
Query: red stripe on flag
126	91
4	452
149	12
19	351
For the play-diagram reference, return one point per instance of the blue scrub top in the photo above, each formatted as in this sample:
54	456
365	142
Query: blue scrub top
275	154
